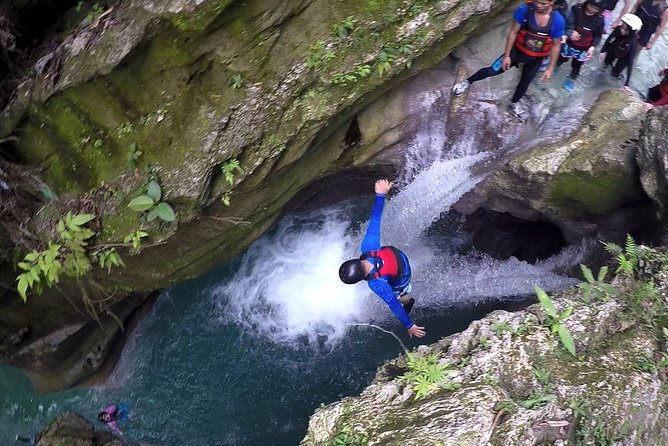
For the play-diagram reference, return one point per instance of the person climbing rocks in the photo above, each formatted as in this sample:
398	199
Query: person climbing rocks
535	34
658	94
560	6
113	415
385	268
619	49
654	17
581	43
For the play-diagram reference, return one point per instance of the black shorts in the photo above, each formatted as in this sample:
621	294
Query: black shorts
643	39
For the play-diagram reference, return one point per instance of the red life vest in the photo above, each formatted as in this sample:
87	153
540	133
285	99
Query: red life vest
386	261
534	40
585	25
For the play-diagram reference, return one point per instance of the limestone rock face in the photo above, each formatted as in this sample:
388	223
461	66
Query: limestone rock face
173	90
510	382
652	157
579	183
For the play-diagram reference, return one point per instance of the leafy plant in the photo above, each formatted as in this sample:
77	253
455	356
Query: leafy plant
345	28
108	258
346	437
134	238
151	204
595	288
132	156
68	255
626	257
542	375
229	167
537	399
505	406
318	55
425	374
485	343
344	79
384	60
237	81
554	319
499	327
363	71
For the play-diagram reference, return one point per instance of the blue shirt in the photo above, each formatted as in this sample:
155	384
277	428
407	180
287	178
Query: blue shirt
558	23
381	286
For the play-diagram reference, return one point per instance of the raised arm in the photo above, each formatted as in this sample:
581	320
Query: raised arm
628	6
371	240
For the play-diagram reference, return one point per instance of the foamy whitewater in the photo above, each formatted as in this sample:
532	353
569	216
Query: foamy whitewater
287	286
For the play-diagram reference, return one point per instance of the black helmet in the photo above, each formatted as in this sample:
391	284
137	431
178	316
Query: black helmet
351	271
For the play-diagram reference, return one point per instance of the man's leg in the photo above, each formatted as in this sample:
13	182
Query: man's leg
609	59
494	70
576	65
529	71
619	67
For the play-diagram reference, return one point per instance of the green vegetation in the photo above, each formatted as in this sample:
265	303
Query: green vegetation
229	167
554	320
150	204
425	374
132	156
345	28
347	438
135	239
595	288
626	257
537	399
237	81
68	255
542	375
500	327
319	55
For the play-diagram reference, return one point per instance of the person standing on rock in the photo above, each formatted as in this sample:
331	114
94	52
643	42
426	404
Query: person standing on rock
654	17
534	35
581	43
385	268
619	49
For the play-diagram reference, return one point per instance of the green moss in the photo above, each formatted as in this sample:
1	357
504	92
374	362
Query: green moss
201	17
591	194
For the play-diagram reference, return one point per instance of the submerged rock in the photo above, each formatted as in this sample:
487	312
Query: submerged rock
71	429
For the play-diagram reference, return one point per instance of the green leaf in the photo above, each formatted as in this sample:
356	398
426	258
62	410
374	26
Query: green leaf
564	314
545	301
25	266
31	256
128	238
153	191
586	272
602	273
152	214
165	212
82	219
22	286
567	339
141	203
141	234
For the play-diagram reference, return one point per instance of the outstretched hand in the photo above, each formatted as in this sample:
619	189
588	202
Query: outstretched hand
382	187
416	331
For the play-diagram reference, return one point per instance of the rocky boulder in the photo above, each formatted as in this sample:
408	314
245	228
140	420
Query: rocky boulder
510	381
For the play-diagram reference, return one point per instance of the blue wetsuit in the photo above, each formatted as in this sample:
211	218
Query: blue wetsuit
387	288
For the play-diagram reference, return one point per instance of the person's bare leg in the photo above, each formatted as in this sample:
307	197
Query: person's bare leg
404	299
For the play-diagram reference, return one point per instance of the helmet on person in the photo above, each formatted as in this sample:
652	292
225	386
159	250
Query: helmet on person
633	21
351	271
